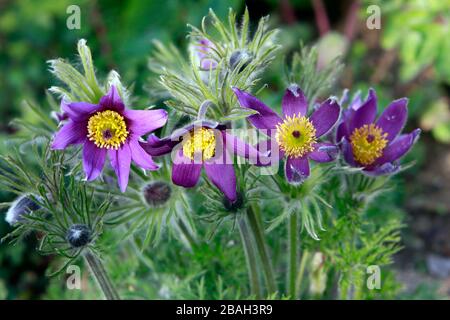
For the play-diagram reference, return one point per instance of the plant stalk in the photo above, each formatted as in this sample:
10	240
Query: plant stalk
258	234
100	275
250	257
293	255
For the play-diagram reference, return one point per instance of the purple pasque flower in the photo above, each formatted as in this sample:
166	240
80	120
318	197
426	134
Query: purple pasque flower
203	50
295	134
375	145
202	144
108	128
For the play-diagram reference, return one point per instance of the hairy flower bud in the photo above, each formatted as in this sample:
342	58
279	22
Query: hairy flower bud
23	205
157	193
240	58
79	235
234	206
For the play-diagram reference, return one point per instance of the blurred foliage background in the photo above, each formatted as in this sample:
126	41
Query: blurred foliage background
408	56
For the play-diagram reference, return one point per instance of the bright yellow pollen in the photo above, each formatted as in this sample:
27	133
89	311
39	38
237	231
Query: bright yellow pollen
368	143
296	136
201	141
107	129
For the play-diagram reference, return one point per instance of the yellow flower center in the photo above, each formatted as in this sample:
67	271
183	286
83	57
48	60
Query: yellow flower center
107	129
296	136
368	143
199	141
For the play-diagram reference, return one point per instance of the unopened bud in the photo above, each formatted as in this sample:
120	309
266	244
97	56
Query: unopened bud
79	235
157	193
240	58
22	206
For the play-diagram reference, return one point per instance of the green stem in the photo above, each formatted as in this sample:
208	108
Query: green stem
100	275
187	234
258	234
250	257
301	272
293	256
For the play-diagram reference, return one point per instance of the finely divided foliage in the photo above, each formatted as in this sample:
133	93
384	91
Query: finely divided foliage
152	193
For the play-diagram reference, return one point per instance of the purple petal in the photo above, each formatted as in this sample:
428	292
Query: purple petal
112	101
324	152
266	119
70	133
158	147
185	172
365	114
347	152
341	131
223	177
78	111
240	148
384	169
296	169
144	121
270	153
393	118
140	157
93	160
399	147
325	117
121	162
294	102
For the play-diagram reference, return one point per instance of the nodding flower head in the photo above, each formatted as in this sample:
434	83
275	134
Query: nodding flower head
234	206
157	193
22	206
79	235
240	58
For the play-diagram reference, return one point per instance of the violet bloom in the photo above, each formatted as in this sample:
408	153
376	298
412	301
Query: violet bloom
296	134
203	144
203	50
109	128
375	145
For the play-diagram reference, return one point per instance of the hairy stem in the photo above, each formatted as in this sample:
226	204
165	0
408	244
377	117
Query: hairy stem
258	233
100	275
293	255
250	257
301	272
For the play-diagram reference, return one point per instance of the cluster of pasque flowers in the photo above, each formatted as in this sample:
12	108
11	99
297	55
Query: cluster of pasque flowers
109	129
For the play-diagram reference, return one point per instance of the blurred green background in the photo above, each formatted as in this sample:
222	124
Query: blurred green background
408	56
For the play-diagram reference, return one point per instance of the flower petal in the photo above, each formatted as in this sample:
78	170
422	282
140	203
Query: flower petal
393	118
242	149
185	172
93	160
365	114
223	177
325	117
384	169
112	101
78	111
294	102
324	152
266	119
140	157
144	121
296	169
121	162
70	133
347	152
158	147
399	147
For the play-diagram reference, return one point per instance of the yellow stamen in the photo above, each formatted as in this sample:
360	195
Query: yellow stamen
107	129
200	141
296	136
368	143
